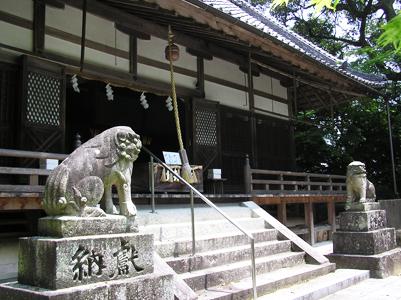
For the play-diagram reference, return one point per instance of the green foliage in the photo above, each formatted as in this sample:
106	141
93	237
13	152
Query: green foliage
391	34
318	4
356	131
314	28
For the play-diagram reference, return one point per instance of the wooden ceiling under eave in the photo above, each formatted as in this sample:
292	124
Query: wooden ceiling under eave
318	86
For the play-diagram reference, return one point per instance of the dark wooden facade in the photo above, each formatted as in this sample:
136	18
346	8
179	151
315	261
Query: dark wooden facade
227	78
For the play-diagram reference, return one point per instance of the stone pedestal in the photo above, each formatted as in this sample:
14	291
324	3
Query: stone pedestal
364	242
87	258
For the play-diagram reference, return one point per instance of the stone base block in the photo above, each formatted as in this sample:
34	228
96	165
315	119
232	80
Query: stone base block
150	287
56	263
365	206
362	220
366	243
380	265
69	226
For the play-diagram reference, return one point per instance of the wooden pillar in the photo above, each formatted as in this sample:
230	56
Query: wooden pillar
309	221
251	99
247	175
295	95
39	14
83	35
200	74
133	56
331	215
282	212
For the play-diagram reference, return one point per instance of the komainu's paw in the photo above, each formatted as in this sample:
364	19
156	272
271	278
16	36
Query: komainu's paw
90	211
127	209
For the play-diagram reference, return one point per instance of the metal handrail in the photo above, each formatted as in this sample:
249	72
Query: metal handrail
211	204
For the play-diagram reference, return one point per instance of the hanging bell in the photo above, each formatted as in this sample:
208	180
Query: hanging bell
175	52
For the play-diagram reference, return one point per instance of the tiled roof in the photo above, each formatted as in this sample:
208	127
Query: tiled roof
266	24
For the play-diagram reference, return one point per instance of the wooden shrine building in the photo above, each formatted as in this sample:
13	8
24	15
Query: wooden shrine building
241	76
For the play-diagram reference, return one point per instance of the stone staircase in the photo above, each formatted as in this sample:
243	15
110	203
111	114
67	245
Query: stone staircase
220	269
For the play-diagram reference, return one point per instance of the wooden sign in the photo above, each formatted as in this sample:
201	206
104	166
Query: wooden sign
164	180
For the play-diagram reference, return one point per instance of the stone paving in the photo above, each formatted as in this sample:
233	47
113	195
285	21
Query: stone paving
370	289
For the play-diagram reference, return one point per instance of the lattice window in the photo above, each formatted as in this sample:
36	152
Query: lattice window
44	98
206	128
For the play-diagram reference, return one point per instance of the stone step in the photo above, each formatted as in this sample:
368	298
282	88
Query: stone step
266	283
321	286
211	242
181	213
223	256
163	232
205	278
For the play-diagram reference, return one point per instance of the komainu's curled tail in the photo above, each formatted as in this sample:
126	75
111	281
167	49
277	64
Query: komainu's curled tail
78	200
55	197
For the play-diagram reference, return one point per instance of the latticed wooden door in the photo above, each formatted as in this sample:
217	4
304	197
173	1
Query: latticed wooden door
206	133
236	142
8	100
8	114
42	106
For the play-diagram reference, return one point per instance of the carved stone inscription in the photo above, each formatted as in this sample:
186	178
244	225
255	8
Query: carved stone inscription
68	262
125	256
86	263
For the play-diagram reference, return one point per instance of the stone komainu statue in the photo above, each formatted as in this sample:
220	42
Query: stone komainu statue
359	188
85	178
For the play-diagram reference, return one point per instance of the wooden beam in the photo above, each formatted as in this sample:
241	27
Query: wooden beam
320	99
124	79
18	203
138	24
321	86
132	32
198	53
55	3
39	14
255	69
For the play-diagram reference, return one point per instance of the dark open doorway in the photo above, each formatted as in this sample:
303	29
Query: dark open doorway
89	112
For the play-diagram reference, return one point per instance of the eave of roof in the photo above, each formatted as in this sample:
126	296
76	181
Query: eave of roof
266	26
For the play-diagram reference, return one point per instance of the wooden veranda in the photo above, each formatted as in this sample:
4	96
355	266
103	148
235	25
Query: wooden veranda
25	187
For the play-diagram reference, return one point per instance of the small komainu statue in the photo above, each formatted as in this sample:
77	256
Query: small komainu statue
359	188
85	178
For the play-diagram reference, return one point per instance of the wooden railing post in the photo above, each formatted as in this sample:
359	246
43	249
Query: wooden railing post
282	212
247	175
331	214
331	184
33	179
309	221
